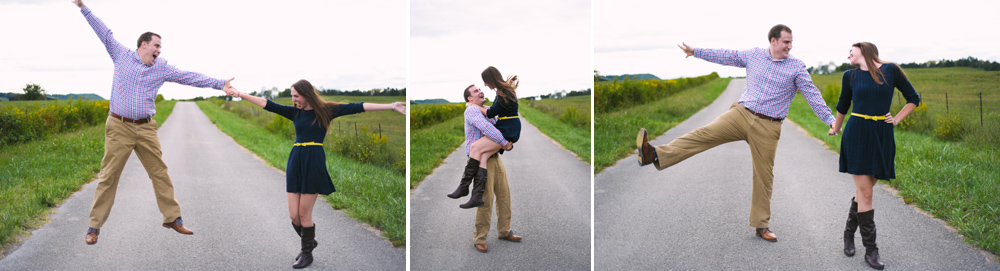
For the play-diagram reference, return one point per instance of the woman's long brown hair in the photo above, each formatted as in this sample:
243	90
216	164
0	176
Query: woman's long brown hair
870	52
320	107
506	89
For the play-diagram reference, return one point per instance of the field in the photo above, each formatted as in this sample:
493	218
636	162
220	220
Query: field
955	179
614	132
367	192
37	176
430	145
566	120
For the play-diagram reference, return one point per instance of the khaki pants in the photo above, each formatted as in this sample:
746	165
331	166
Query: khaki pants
496	187
120	139
737	124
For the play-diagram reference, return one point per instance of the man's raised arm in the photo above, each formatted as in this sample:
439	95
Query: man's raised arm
103	32
718	56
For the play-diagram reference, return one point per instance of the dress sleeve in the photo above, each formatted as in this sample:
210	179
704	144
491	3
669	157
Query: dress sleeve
283	110
904	86
498	106
347	109
846	92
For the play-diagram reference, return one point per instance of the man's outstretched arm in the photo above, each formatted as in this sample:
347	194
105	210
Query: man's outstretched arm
718	56
103	32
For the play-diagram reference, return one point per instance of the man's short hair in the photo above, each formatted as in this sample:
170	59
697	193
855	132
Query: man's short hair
467	93
146	37
775	32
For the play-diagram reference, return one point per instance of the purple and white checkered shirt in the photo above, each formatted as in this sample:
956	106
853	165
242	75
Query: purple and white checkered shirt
771	83
477	126
134	88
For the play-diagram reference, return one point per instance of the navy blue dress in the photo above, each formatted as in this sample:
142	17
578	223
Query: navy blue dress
509	127
868	147
306	170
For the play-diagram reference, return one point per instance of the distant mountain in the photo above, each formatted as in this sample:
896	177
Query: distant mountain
644	76
430	101
87	96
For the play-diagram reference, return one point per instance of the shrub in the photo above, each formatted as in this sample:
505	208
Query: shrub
624	93
30	122
281	126
367	147
427	115
572	116
831	94
917	120
951	127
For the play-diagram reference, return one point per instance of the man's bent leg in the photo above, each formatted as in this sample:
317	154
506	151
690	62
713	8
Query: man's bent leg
763	141
501	190
484	213
149	153
119	140
728	127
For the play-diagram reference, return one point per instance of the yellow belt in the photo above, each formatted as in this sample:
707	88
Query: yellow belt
309	144
868	117
503	118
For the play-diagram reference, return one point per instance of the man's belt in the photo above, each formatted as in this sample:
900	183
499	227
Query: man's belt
868	117
308	144
759	115
124	119
511	117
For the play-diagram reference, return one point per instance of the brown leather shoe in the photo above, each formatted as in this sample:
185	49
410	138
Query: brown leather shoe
767	234
481	247
92	235
178	225
510	237
646	151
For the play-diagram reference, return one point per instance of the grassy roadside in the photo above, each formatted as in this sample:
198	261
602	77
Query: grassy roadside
574	139
370	194
38	176
956	182
429	146
614	132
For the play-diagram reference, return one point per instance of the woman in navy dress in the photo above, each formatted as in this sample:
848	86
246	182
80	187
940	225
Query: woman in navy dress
306	175
868	147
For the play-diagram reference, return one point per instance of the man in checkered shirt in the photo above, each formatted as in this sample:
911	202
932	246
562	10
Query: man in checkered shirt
137	78
773	78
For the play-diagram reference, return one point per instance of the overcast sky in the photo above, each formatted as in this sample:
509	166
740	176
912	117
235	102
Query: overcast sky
547	44
635	36
335	44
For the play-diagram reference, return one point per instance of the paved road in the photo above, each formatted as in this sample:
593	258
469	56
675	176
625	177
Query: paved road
550	207
235	204
693	216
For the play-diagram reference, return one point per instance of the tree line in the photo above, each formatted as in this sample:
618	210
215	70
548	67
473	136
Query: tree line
971	62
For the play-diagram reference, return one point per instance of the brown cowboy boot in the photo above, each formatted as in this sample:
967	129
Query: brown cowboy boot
478	186
463	187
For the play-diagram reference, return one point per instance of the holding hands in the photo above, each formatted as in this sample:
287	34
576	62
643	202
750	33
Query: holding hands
399	107
78	3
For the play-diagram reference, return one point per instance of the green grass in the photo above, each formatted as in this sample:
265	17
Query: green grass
614	132
371	194
573	138
37	176
430	145
955	181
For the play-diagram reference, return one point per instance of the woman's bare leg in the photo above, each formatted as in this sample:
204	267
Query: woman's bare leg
293	208
863	192
482	149
306	202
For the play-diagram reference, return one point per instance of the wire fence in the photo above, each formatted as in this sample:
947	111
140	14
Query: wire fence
980	106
